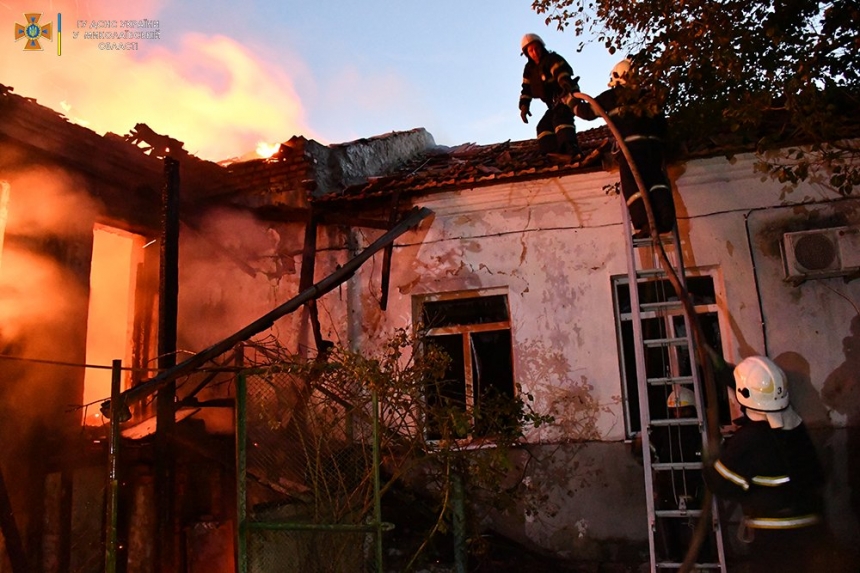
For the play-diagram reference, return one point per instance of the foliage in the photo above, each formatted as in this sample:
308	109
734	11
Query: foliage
763	71
333	393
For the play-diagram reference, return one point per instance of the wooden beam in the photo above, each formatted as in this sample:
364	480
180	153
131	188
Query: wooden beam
386	255
309	256
319	289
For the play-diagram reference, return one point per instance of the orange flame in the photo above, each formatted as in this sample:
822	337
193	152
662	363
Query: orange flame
212	93
267	149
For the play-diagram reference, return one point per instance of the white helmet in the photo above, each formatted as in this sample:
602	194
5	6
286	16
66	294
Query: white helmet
618	76
681	397
761	385
530	39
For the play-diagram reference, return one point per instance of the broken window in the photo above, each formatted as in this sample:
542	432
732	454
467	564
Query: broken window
474	330
664	361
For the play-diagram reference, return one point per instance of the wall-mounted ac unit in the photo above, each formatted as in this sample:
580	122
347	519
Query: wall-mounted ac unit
821	253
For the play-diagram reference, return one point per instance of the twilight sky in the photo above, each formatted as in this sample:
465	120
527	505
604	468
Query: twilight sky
223	77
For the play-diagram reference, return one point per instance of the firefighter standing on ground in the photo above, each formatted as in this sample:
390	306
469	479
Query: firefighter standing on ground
771	467
644	131
548	77
679	488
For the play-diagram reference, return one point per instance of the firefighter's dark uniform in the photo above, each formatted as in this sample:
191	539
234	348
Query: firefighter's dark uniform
776	476
644	134
548	81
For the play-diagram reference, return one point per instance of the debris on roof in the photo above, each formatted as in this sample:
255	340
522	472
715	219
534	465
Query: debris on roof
470	165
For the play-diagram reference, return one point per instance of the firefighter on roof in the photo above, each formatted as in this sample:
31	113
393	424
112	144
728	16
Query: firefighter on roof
644	132
548	77
771	467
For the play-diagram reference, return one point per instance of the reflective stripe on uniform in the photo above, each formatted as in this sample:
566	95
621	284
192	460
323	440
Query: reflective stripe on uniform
771	481
794	522
633	198
546	134
563	126
728	474
555	67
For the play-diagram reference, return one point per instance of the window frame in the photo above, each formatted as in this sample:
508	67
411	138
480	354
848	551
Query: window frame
717	308
465	330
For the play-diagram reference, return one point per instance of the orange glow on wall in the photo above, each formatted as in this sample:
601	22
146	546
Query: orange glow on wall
4	214
116	255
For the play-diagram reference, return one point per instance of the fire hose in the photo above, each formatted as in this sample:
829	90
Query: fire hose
711	447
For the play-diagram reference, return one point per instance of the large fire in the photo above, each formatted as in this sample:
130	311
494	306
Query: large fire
208	91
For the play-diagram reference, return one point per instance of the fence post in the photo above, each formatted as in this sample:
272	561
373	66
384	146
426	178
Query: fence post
241	468
459	518
113	479
377	496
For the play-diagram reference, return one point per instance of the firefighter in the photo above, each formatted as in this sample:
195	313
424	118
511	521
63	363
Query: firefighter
644	130
679	444
548	77
677	489
771	467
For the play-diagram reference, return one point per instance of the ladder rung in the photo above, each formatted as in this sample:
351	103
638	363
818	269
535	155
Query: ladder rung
650	273
656	342
670	381
655	306
696	567
678	513
675	422
677	466
665	238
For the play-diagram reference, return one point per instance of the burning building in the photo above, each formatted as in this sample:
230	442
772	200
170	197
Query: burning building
525	256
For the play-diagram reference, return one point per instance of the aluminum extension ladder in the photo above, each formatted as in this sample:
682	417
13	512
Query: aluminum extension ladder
665	360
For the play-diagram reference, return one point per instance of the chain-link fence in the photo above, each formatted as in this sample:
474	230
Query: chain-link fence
308	484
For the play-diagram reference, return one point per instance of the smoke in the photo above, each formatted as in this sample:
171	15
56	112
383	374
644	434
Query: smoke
233	270
46	208
43	302
210	92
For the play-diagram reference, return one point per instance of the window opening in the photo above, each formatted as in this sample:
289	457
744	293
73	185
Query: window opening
116	256
474	330
661	361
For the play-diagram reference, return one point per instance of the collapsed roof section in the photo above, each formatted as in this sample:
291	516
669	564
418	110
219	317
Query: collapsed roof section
302	172
439	169
409	162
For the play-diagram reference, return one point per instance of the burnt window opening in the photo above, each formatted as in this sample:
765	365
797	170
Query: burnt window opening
663	361
477	389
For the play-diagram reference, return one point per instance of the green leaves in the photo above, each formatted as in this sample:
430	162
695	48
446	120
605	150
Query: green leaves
785	69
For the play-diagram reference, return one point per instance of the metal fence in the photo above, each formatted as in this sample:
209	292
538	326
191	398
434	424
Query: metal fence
307	477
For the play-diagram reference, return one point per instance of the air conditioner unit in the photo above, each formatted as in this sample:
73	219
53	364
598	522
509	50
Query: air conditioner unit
821	253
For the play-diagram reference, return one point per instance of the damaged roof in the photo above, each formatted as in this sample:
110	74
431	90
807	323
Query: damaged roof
133	159
469	165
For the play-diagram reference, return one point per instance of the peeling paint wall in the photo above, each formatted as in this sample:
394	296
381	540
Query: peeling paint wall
555	245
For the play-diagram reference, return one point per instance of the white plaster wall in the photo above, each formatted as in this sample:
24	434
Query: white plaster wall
553	247
554	244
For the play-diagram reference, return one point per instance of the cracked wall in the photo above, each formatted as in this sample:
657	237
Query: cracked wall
555	245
